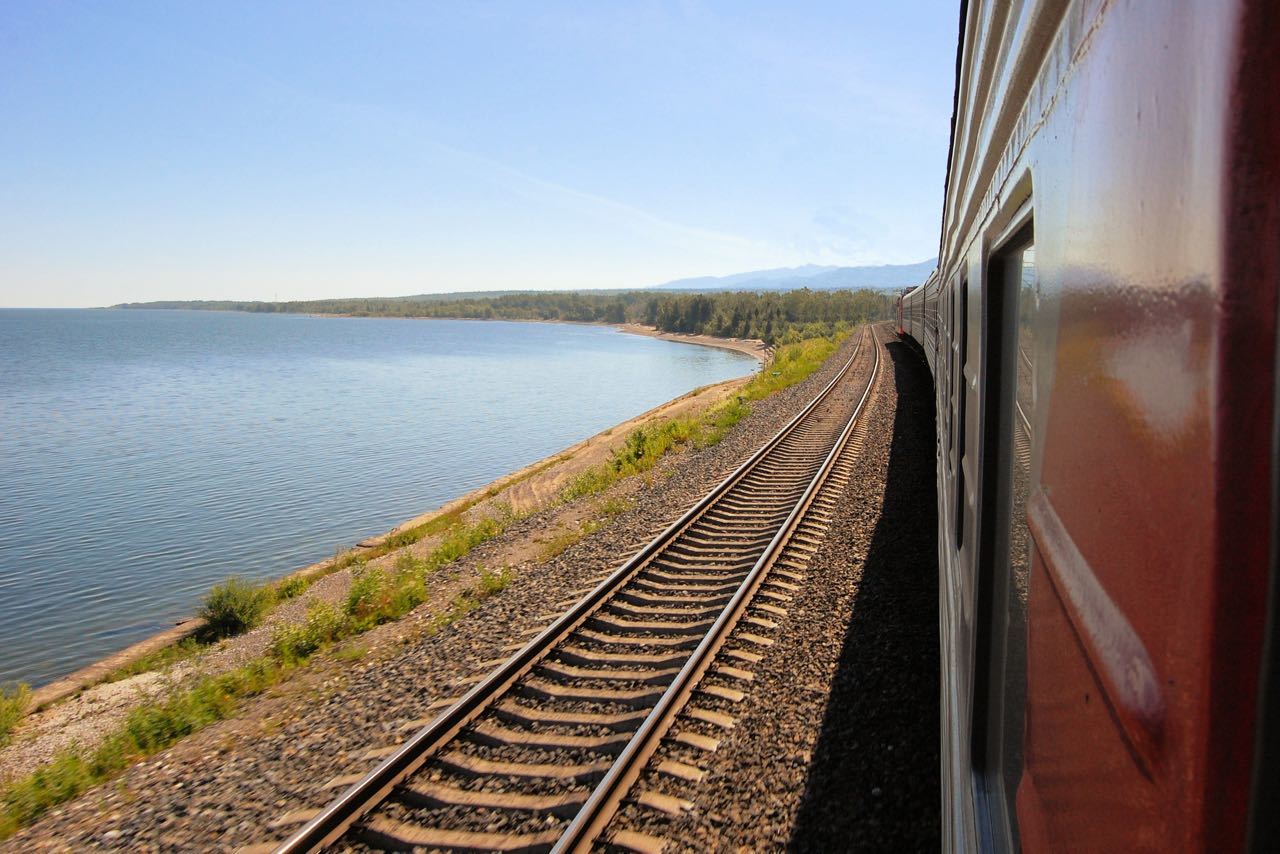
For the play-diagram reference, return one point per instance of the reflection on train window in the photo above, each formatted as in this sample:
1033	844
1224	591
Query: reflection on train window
960	390
948	381
1006	576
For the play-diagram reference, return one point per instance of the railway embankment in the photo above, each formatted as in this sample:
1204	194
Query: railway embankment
324	716
836	746
523	491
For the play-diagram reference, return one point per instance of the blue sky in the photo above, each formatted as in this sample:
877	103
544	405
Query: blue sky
294	150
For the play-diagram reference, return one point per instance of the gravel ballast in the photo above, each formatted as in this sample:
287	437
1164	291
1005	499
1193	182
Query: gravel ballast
836	746
223	787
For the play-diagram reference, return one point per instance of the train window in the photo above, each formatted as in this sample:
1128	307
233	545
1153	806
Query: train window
959	390
947	381
1004	550
948	411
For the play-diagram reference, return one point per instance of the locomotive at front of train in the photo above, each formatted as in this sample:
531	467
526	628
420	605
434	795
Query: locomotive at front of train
1102	334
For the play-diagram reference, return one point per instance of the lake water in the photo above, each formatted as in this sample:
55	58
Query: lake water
145	455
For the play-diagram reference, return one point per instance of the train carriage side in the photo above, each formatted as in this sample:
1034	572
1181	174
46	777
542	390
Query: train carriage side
1102	333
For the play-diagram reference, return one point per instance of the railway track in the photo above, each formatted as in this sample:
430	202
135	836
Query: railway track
539	755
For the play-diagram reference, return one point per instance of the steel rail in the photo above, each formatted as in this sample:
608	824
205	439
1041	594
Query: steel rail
365	794
621	776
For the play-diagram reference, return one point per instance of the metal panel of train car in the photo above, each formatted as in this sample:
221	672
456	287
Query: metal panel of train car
1106	410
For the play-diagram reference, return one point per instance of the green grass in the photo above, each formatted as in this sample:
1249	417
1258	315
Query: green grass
451	524
460	539
230	608
468	600
641	451
182	650
378	596
13	705
149	728
791	364
650	442
291	587
354	652
294	643
591	481
610	508
440	524
493	581
235	605
565	538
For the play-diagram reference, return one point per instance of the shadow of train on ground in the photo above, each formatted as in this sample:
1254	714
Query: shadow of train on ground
873	783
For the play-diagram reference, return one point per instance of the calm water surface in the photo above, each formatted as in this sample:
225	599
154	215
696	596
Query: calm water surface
145	455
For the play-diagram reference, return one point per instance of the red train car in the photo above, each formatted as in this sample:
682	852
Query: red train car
1102	334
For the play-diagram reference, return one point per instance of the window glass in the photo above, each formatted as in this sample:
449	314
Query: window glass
961	392
1016	279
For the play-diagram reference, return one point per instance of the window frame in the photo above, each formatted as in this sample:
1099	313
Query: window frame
997	404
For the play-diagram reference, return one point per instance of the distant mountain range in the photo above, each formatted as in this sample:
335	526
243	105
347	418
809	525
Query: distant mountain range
811	276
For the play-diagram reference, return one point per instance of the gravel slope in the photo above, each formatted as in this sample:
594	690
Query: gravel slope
221	788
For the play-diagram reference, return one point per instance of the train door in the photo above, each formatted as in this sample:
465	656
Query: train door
1004	543
965	384
958	546
942	380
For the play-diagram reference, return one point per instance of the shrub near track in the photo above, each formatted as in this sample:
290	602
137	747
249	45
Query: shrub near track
232	608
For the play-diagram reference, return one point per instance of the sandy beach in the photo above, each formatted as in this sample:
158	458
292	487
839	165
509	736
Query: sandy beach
751	346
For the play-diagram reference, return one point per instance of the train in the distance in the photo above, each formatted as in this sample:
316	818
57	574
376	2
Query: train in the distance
1101	330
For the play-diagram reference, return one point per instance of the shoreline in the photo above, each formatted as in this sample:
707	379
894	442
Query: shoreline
753	347
761	351
332	718
584	452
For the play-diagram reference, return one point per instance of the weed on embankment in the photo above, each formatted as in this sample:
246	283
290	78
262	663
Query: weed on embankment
147	729
648	443
378	596
13	705
230	608
566	537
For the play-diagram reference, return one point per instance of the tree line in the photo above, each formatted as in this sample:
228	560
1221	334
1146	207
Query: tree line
776	317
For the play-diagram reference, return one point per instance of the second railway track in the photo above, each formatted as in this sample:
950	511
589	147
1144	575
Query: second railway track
539	754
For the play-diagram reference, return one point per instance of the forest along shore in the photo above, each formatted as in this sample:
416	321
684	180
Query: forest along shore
454	624
774	317
523	490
